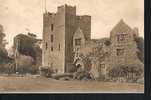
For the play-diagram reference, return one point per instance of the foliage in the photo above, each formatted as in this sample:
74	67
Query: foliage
140	46
28	47
127	71
87	62
107	43
46	71
7	68
4	56
83	75
24	65
28	59
3	52
38	55
25	45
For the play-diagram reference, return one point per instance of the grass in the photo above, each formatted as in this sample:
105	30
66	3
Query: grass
26	84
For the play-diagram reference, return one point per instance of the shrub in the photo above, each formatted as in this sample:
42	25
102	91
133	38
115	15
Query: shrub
7	68
28	47
140	46
83	75
107	43
46	71
129	72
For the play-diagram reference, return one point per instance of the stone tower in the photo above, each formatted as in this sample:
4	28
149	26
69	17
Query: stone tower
84	22
58	32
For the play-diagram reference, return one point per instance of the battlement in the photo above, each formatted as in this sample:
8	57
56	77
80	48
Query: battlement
49	14
58	31
83	16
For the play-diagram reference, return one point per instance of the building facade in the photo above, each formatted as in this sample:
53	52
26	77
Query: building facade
123	44
58	32
67	36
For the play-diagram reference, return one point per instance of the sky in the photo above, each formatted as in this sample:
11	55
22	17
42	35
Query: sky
21	16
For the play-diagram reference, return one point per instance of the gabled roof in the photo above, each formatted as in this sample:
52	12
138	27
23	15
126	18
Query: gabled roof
121	26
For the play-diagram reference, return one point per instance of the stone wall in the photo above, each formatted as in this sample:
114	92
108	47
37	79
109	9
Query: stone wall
84	22
70	27
123	46
63	29
59	53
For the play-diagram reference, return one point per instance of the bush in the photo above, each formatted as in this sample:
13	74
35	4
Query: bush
30	69
46	71
25	64
107	43
7	68
83	75
140	80
28	47
140	46
129	72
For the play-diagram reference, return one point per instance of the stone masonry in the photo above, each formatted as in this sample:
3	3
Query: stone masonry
58	31
66	35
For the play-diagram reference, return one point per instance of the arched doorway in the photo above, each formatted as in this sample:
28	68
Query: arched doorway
79	65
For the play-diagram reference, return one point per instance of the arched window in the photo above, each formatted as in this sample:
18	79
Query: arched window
46	45
59	47
51	48
51	38
51	27
78	41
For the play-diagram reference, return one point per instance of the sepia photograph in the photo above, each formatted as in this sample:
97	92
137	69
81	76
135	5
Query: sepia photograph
72	46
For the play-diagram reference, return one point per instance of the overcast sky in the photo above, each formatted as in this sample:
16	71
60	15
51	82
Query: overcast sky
19	16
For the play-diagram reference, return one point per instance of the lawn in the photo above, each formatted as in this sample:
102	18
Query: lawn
28	84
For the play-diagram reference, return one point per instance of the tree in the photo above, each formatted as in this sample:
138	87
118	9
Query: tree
27	46
3	52
3	42
5	60
140	46
130	72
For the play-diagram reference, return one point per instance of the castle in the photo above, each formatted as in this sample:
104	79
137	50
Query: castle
58	32
66	34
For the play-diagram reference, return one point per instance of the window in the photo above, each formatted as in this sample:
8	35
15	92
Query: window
51	48
101	68
77	42
59	47
122	37
46	45
77	54
120	52
77	49
51	27
51	38
51	65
